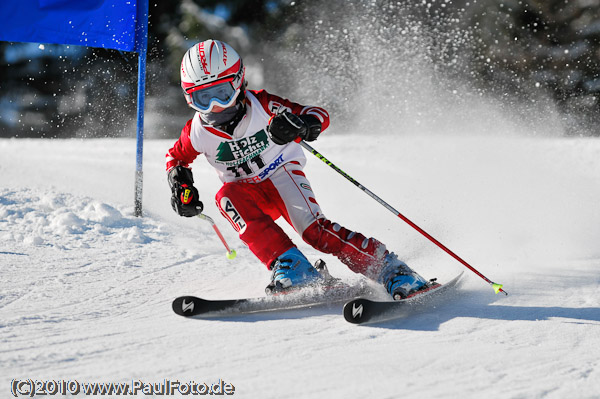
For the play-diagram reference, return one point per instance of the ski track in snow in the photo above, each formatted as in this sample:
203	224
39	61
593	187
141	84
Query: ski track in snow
87	288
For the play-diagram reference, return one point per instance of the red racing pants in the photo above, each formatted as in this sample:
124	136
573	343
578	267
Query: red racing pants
252	209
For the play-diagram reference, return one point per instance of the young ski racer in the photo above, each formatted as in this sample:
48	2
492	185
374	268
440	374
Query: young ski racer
251	139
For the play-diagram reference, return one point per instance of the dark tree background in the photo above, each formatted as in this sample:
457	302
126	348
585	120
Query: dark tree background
324	51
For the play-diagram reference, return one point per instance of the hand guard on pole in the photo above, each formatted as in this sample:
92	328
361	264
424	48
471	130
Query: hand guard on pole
286	127
184	196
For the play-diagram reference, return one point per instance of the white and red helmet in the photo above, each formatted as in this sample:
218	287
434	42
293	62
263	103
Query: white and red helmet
212	74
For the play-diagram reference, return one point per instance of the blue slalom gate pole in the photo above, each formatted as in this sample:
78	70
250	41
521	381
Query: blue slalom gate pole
142	46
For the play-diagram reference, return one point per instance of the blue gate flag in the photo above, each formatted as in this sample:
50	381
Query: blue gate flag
113	24
91	23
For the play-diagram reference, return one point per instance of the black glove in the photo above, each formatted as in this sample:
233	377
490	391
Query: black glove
184	196
287	127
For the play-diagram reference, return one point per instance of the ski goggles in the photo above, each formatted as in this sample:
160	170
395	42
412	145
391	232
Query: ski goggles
217	94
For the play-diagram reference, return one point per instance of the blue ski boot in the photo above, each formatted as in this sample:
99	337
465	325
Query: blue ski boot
290	270
399	280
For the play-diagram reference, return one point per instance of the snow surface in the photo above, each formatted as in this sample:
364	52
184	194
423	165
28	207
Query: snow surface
87	288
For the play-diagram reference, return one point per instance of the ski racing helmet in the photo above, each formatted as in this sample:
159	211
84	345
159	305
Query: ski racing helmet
212	74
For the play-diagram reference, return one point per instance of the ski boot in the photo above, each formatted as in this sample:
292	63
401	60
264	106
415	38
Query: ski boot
291	270
398	279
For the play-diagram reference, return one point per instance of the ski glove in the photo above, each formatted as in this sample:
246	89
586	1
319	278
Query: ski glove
287	127
184	196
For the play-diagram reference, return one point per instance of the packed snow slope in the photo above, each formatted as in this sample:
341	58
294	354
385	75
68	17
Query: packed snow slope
87	288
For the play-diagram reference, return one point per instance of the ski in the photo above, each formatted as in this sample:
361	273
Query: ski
363	310
192	306
328	291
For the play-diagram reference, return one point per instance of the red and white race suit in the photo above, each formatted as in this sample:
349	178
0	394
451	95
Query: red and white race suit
264	181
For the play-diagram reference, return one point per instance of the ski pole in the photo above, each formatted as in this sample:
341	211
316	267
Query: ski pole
497	287
231	254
